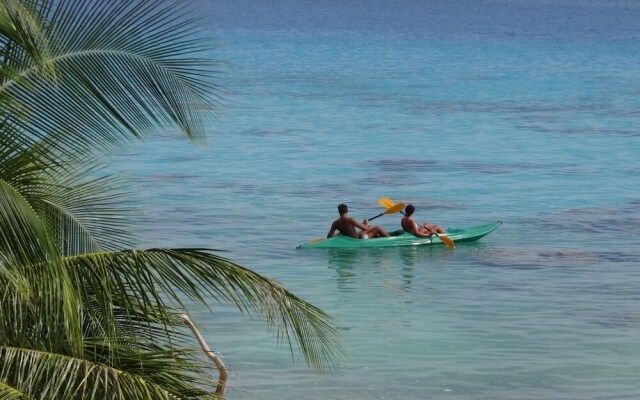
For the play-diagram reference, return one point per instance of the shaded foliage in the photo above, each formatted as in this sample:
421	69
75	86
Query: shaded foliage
82	313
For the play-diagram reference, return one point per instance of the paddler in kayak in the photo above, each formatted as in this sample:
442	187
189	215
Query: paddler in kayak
347	226
411	226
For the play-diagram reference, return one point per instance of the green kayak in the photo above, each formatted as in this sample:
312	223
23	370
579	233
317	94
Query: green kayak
401	238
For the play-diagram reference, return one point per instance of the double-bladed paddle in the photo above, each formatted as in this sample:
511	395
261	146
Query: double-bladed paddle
389	204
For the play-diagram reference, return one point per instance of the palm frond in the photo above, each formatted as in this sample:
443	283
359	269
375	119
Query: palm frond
158	280
23	237
137	294
84	209
24	240
78	318
22	40
125	69
10	393
90	214
148	375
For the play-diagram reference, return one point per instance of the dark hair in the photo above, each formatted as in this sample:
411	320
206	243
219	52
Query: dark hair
409	209
342	209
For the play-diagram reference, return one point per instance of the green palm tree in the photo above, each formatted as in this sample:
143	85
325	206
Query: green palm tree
82	313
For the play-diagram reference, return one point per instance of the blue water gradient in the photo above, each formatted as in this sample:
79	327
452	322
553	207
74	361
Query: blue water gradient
474	111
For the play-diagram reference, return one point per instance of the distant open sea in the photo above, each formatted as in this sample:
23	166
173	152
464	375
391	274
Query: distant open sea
526	112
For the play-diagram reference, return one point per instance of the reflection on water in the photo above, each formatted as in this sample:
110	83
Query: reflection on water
395	268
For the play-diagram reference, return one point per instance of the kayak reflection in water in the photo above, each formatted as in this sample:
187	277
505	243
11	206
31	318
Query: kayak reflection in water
411	226
347	226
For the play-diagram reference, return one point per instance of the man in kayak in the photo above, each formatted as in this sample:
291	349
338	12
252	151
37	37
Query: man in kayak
347	226
411	226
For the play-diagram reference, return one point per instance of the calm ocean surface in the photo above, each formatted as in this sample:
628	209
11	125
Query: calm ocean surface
475	111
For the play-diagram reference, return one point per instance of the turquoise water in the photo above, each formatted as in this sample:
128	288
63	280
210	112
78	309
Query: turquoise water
532	120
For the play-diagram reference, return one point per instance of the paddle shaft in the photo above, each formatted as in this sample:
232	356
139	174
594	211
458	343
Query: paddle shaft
379	215
390	210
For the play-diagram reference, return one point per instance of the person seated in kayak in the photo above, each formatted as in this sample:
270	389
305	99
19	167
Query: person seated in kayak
410	225
347	226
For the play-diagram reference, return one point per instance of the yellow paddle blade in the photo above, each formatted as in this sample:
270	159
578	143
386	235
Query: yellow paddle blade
386	202
394	209
447	241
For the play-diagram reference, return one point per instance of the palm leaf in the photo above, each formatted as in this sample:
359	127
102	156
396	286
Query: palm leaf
21	229
72	308
157	281
90	213
23	40
10	393
137	294
149	375
85	210
125	69
24	240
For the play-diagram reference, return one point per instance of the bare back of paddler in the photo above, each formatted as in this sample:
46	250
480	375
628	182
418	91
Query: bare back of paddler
347	226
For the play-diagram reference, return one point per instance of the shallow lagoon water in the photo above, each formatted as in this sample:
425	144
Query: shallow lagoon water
534	123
